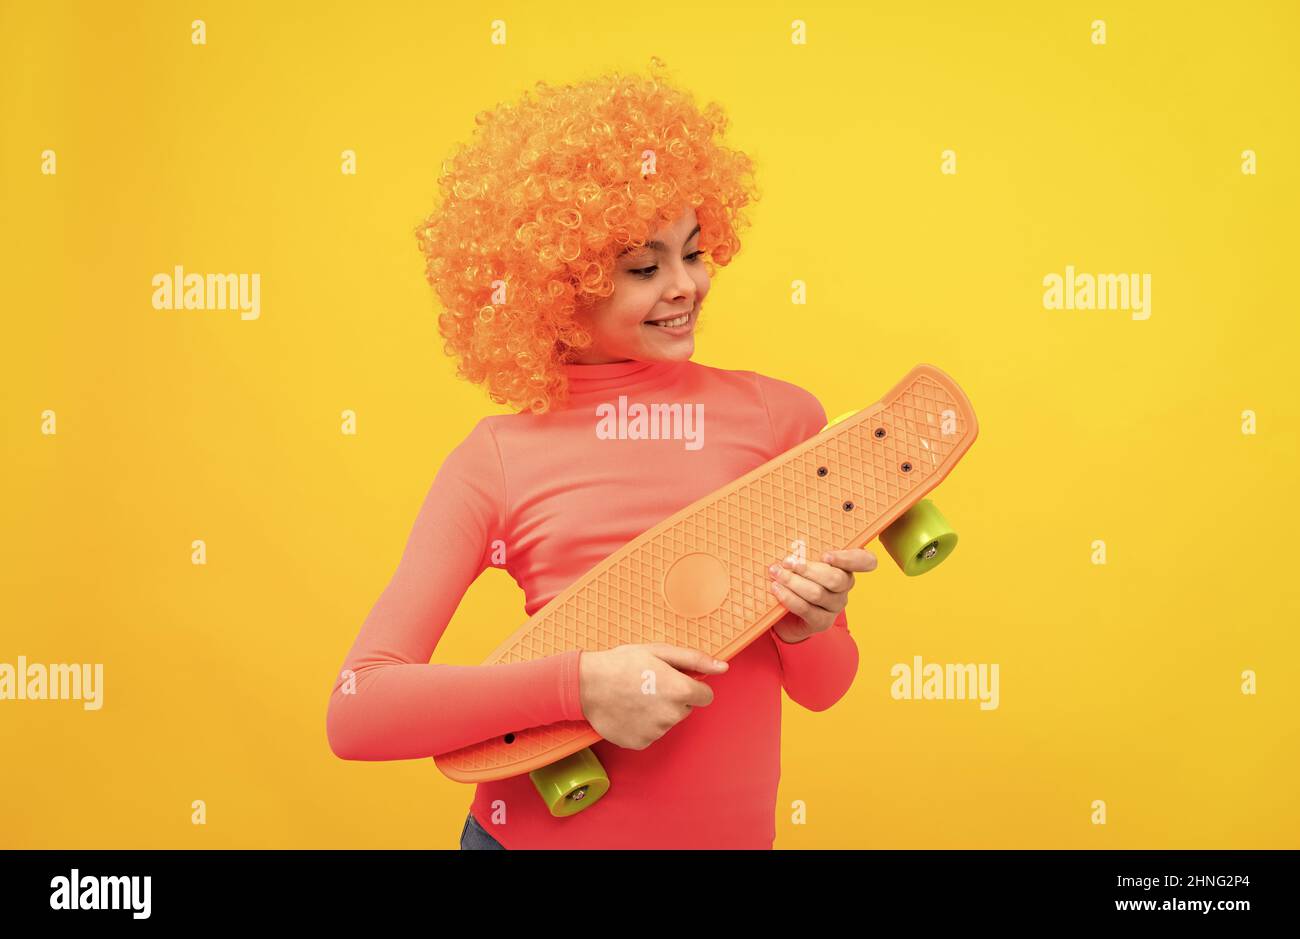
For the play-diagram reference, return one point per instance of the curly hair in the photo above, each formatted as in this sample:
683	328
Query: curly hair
536	209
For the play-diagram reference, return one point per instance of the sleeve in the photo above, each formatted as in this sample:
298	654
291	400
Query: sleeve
389	702
819	670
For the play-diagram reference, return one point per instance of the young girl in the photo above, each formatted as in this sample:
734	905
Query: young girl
572	252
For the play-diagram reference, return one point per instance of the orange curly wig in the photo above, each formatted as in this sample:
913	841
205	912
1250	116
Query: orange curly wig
536	209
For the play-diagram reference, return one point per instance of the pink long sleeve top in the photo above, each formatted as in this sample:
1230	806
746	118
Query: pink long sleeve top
547	497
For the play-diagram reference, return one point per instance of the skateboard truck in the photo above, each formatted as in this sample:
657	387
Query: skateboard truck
919	539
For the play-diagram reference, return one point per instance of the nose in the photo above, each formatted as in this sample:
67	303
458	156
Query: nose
682	285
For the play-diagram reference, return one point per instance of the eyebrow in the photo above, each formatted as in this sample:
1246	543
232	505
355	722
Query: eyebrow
659	245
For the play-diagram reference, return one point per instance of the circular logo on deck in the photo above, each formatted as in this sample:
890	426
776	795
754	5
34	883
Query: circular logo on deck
696	584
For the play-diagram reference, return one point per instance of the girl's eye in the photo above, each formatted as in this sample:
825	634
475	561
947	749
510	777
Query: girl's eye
650	271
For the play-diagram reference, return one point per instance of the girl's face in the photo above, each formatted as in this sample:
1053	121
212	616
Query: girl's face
663	281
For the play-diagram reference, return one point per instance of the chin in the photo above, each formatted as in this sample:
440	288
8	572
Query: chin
679	355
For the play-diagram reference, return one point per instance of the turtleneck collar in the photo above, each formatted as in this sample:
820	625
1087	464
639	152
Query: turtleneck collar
592	383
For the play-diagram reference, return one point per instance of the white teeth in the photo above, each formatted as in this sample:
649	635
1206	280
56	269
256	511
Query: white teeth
678	321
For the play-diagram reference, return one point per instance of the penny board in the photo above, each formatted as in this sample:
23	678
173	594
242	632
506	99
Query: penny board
700	577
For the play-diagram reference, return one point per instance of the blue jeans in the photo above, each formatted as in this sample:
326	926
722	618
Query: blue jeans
475	837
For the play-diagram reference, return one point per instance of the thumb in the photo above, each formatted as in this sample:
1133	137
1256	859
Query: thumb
682	658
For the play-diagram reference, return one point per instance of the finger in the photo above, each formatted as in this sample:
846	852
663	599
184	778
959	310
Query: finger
683	658
797	604
811	591
814	616
851	559
832	578
698	694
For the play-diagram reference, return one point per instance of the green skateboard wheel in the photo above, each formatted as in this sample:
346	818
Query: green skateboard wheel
569	785
844	416
919	539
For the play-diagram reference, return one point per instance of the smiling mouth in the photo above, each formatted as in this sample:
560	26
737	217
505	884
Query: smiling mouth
680	320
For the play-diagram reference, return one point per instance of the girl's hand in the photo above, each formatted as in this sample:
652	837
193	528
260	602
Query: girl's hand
816	591
630	710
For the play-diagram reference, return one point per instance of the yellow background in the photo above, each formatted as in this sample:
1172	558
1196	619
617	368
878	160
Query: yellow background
1118	682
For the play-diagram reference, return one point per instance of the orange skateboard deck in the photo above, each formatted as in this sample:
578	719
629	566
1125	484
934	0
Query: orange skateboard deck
700	577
